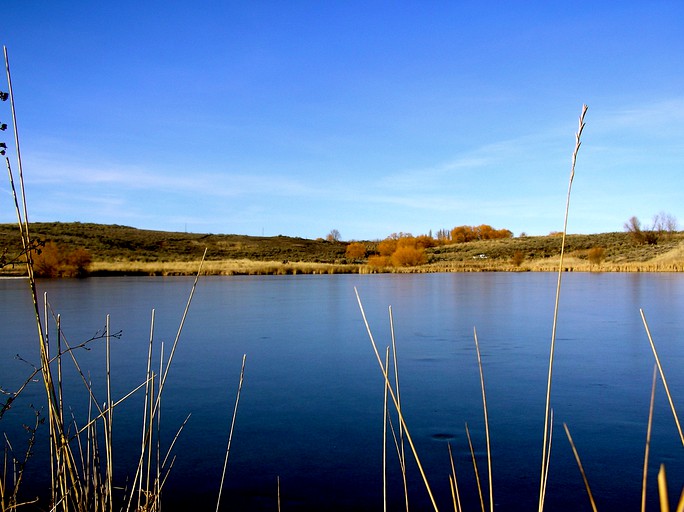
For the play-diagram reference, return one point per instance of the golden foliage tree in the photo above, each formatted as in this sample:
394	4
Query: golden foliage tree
408	256
356	251
402	250
462	234
56	261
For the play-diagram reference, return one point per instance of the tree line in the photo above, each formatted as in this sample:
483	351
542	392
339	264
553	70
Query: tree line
406	250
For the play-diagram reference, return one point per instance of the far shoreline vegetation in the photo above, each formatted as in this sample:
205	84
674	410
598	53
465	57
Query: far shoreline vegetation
77	249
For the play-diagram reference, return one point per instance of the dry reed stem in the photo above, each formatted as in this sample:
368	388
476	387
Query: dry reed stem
579	464
148	373
105	412
548	455
402	451
662	376
165	374
486	420
396	403
545	448
67	478
662	490
173	443
232	426
648	439
453	493
384	439
477	473
109	418
395	438
456	495
680	505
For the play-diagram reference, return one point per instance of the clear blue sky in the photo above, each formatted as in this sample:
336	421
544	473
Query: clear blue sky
368	117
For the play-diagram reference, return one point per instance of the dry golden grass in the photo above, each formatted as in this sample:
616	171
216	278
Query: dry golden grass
671	260
217	267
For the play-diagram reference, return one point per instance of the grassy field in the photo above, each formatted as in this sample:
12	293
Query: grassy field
118	250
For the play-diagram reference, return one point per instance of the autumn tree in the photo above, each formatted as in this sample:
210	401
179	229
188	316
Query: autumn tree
408	256
387	246
46	263
356	251
462	234
57	261
401	250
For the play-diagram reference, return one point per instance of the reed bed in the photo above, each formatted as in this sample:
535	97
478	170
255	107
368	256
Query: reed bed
241	267
82	453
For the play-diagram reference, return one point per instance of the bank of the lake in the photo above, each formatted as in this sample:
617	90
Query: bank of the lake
122	250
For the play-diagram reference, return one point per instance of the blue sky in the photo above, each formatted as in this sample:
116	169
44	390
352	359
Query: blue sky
300	117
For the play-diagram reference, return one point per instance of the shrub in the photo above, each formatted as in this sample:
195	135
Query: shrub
596	255
664	224
46	262
378	261
387	246
517	258
356	251
78	262
425	241
407	256
56	261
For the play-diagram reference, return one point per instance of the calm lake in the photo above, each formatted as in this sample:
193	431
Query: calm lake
311	409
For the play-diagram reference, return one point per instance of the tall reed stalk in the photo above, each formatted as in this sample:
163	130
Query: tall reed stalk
232	427
486	421
662	376
648	439
546	449
395	402
87	482
402	451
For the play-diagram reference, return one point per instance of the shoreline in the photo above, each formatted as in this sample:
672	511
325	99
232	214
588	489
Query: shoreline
254	268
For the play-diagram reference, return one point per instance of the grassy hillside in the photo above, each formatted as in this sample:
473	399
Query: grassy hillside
116	243
120	249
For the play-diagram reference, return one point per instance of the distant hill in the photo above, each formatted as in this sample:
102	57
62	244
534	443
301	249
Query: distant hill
114	242
114	247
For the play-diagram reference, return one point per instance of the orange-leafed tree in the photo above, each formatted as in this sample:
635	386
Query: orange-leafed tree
57	261
387	246
356	251
408	256
462	234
